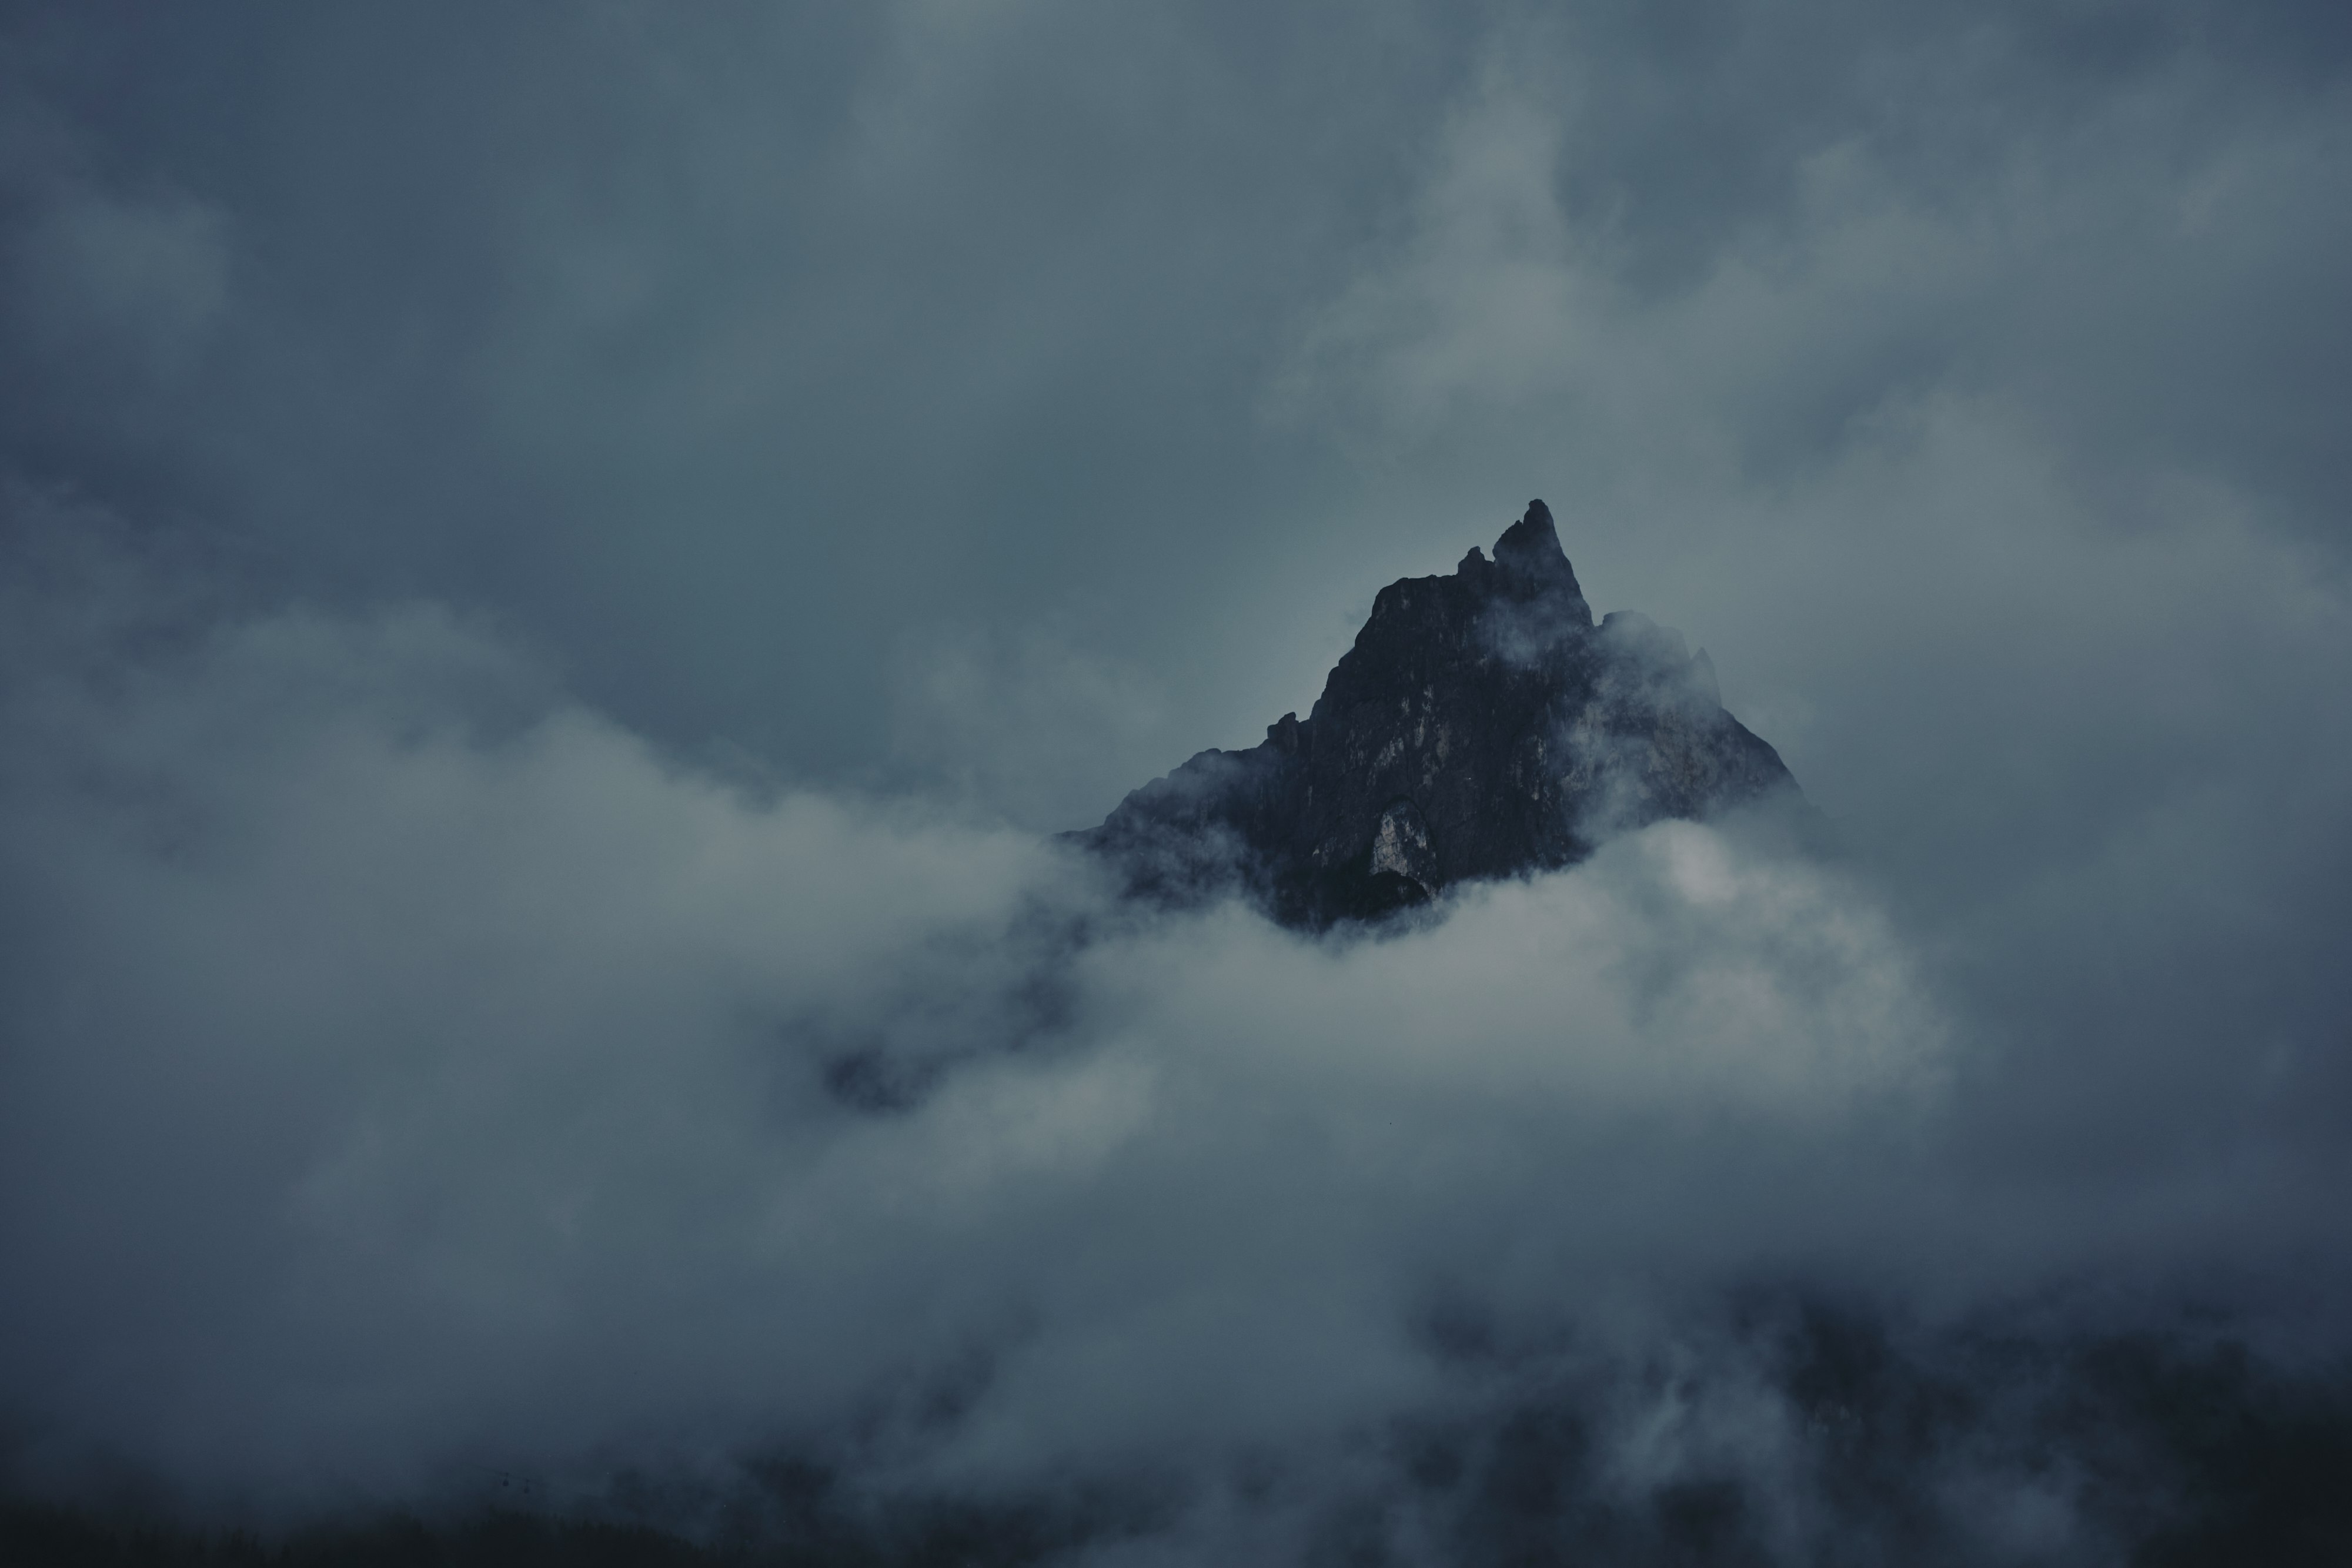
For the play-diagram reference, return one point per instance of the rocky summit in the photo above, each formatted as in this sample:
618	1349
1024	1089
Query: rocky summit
1481	726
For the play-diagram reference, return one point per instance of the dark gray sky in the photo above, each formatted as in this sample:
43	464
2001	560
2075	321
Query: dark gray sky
754	361
549	550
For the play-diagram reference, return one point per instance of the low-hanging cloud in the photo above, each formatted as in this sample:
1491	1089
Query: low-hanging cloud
407	1065
413	1074
535	573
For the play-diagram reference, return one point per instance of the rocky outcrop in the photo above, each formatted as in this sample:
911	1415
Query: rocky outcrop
1482	725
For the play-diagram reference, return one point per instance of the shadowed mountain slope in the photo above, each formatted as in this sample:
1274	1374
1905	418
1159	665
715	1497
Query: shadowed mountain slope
1481	726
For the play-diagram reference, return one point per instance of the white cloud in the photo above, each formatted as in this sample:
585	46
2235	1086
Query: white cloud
410	1066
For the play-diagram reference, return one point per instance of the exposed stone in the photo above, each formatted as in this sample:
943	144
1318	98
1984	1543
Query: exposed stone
1481	727
1400	849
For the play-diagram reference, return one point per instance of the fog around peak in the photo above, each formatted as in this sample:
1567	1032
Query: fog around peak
557	575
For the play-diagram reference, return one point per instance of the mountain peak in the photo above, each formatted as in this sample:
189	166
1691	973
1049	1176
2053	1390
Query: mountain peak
1481	726
1529	552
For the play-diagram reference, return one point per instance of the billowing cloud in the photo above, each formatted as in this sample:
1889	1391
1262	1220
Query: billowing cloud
543	556
413	1076
408	1064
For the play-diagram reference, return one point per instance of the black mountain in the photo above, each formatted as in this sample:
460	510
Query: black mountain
1481	727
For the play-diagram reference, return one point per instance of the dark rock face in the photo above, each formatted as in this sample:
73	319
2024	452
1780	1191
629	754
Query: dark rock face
1481	727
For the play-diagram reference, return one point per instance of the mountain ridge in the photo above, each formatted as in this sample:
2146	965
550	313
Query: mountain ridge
1482	725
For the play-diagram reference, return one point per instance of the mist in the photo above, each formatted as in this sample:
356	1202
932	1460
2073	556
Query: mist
557	579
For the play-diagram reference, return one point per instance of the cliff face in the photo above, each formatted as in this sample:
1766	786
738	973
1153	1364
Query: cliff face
1481	727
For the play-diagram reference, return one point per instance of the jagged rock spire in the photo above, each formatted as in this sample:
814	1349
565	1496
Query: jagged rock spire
1481	727
1530	556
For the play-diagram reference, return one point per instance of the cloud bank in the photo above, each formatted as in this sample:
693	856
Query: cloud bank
380	1010
555	570
413	1076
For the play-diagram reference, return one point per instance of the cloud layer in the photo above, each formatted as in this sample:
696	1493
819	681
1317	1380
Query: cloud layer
555	570
405	1060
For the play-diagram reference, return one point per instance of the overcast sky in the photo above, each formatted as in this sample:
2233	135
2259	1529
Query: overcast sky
558	559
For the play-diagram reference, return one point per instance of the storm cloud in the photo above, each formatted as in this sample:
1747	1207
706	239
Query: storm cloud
557	570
